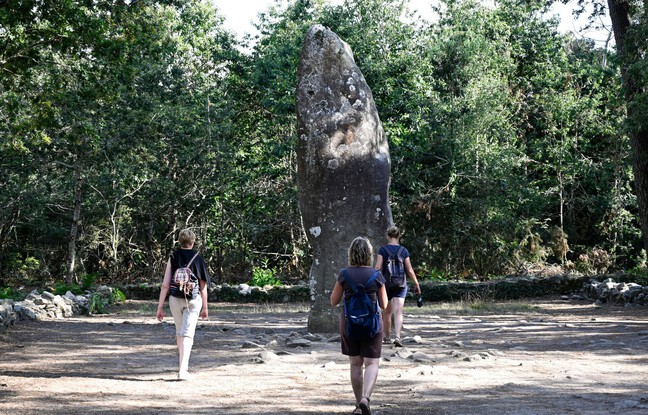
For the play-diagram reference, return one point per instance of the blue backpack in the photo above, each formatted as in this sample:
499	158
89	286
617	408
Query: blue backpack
362	314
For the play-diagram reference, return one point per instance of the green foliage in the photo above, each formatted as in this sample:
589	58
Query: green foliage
62	288
436	275
12	294
500	130
20	268
97	304
262	276
117	296
100	300
88	281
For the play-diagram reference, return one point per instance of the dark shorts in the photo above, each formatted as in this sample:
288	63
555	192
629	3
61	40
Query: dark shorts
371	348
397	292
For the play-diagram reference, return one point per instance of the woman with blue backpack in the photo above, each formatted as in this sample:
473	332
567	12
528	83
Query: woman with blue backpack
361	289
394	262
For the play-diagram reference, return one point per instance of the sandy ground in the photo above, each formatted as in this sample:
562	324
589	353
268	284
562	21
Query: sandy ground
542	357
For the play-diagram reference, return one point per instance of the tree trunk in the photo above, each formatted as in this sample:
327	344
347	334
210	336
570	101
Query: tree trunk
76	217
638	133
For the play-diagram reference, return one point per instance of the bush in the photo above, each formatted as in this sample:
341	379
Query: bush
11	294
97	304
62	288
262	276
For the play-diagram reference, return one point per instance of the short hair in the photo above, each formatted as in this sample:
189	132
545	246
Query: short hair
393	232
186	238
361	252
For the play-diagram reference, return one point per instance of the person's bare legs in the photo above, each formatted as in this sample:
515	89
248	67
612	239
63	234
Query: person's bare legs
397	304
370	375
386	317
357	378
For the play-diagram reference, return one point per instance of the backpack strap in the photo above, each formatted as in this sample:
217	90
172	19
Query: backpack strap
192	259
353	285
349	280
400	251
372	278
369	281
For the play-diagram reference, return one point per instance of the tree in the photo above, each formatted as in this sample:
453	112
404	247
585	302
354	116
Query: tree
629	22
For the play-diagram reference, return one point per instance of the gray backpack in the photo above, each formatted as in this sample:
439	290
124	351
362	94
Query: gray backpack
395	268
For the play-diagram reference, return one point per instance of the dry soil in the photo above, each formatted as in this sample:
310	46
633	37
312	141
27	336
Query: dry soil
547	356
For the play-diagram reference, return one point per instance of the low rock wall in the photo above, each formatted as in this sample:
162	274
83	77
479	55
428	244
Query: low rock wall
231	293
506	289
620	293
37	306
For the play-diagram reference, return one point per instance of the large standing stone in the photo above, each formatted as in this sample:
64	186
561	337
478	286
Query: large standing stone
343	164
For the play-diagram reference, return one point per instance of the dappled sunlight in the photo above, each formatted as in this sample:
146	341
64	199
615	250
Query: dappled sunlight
553	360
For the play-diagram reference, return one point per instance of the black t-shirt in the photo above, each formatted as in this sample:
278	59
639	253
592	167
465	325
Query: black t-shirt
180	258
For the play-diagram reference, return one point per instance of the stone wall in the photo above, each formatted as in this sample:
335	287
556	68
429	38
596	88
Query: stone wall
506	289
37	306
620	293
231	293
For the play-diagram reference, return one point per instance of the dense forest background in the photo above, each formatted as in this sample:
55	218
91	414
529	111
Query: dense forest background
122	122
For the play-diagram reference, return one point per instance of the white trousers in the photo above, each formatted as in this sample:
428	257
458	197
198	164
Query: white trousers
185	318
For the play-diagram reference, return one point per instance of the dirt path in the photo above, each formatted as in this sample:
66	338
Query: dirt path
546	357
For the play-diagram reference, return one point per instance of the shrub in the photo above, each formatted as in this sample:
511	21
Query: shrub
262	276
12	294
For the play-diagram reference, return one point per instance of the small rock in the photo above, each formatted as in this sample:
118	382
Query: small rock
314	337
250	345
265	357
300	342
413	340
421	357
403	353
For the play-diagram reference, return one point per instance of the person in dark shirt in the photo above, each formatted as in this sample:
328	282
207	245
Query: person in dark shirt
186	302
363	354
395	295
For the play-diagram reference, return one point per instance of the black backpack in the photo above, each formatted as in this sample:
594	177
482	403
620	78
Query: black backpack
394	269
362	314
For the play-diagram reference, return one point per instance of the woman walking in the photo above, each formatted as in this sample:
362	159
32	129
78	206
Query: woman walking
187	300
363	349
394	258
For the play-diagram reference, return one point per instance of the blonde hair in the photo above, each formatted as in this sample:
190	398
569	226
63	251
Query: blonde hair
393	232
186	238
361	252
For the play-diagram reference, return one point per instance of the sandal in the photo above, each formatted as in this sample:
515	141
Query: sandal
364	406
357	411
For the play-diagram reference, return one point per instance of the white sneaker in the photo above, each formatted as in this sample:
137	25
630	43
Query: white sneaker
184	375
